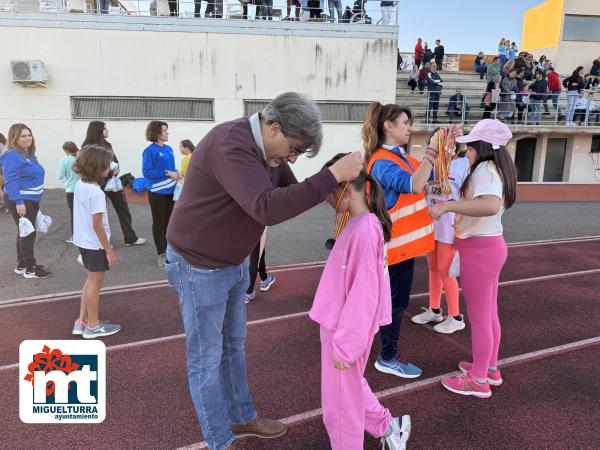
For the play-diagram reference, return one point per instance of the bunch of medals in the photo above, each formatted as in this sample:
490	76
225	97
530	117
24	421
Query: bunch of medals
440	189
341	219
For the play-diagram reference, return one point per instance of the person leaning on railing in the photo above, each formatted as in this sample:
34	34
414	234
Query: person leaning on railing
538	94
492	96
573	84
555	89
595	72
506	108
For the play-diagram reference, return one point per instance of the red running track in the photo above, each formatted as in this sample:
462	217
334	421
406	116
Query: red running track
548	400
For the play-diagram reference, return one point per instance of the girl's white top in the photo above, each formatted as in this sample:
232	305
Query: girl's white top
484	181
443	227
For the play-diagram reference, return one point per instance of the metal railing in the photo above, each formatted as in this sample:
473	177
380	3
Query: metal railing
324	11
526	108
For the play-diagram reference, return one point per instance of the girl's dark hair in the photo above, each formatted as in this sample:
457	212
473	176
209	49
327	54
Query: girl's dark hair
373	134
70	147
95	135
2	139
187	144
374	196
504	164
153	129
576	71
91	161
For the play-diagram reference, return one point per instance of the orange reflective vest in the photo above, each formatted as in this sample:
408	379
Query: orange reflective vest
412	228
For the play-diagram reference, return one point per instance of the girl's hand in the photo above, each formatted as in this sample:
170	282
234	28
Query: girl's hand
339	365
112	258
433	142
455	131
21	210
437	210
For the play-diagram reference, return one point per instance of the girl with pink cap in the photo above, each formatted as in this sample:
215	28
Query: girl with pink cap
488	190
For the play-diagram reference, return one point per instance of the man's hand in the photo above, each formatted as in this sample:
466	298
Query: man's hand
21	210
112	258
339	365
348	167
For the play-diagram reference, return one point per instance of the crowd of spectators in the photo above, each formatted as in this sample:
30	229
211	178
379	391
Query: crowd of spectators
520	88
296	10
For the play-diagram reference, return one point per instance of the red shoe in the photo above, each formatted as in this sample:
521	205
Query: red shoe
494	378
465	384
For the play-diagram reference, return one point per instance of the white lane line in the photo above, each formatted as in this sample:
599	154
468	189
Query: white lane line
512	361
305	313
277	269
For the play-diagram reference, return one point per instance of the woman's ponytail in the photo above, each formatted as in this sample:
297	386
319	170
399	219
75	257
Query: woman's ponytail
370	134
377	206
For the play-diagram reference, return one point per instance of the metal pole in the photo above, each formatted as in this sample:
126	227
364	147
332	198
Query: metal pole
526	121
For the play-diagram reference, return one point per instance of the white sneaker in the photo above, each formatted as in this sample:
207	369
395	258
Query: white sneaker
450	325
139	241
400	433
427	316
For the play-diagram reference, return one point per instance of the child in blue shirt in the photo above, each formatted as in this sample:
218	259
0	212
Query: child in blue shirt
69	177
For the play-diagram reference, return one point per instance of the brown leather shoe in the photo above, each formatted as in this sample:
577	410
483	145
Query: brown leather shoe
260	427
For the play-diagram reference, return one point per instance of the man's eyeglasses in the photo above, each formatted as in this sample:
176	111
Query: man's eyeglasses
295	150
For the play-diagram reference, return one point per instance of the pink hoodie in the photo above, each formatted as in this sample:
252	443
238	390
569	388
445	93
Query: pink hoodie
353	298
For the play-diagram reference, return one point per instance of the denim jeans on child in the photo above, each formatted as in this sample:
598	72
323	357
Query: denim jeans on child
214	319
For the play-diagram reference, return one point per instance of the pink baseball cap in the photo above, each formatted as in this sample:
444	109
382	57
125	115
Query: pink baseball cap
488	130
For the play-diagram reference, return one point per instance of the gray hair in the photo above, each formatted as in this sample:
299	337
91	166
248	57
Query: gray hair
299	117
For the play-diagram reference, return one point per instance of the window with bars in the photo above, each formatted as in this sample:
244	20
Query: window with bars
142	108
335	112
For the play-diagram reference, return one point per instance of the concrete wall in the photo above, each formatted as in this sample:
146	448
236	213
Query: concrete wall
229	62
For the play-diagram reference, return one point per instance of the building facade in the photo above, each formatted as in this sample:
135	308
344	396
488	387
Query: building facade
194	74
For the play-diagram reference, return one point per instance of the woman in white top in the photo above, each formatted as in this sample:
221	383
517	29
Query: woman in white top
488	190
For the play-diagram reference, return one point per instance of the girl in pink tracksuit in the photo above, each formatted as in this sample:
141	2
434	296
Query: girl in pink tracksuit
352	301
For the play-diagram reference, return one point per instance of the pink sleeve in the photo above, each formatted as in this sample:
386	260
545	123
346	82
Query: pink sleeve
355	324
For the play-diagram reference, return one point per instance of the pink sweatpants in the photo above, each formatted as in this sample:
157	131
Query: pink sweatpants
481	260
349	406
439	261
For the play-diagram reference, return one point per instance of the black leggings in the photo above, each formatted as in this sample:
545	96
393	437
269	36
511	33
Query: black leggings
25	251
70	196
257	266
161	206
122	209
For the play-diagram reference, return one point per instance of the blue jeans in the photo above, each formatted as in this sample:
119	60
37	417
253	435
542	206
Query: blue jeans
555	96
214	319
338	6
536	115
571	99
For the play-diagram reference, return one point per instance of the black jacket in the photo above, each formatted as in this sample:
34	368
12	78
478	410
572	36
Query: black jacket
439	52
427	55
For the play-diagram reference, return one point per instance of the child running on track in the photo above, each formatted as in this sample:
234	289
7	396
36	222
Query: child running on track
488	190
440	259
352	301
92	236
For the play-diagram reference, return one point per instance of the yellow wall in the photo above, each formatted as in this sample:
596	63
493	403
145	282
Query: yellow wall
542	25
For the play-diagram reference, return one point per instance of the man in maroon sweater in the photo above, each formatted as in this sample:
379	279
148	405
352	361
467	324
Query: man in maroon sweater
238	181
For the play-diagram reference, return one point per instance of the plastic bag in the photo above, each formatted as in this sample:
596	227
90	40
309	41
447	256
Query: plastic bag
113	184
177	191
25	227
42	222
454	270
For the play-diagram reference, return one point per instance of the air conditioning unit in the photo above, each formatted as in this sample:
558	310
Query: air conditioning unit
28	72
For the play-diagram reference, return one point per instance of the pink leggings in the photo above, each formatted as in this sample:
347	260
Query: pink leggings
481	260
349	405
439	261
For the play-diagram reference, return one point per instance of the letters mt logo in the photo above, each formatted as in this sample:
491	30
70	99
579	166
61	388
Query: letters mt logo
62	381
